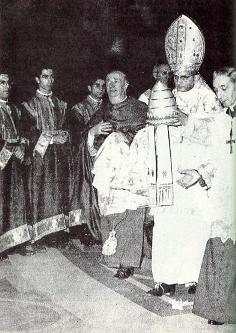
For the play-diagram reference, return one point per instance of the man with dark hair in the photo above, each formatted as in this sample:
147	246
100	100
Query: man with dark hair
84	198
86	109
13	224
224	83
122	118
51	150
216	289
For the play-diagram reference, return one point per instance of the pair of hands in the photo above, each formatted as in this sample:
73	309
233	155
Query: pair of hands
61	138
181	118
190	178
19	152
105	128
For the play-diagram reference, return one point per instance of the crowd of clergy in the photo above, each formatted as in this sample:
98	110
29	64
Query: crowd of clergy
105	168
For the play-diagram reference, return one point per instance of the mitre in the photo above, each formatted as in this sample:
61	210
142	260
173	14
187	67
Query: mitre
184	46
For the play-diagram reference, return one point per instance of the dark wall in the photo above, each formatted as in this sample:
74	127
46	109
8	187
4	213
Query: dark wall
80	37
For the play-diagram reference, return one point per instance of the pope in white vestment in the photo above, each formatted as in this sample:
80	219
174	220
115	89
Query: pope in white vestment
182	229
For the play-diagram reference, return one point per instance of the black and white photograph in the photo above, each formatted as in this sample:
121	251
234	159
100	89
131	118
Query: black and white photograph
117	166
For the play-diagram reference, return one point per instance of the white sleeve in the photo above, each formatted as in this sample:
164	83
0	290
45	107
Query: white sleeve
90	141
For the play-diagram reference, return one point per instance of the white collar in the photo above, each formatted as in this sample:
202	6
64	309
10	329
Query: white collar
94	99
3	101
124	99
43	94
232	107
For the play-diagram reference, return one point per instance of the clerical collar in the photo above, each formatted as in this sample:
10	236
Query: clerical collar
95	100
124	99
43	94
3	101
231	111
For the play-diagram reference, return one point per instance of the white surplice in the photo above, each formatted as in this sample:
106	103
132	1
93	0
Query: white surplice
120	173
223	215
181	230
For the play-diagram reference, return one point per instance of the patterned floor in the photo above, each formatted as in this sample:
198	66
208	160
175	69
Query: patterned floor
67	292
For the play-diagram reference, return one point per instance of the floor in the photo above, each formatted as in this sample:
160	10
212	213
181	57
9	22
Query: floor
72	291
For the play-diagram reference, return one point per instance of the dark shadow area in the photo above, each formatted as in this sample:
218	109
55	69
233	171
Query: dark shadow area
79	37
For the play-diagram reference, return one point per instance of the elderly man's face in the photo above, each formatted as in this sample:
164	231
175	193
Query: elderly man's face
162	73
184	82
45	80
116	85
225	89
5	86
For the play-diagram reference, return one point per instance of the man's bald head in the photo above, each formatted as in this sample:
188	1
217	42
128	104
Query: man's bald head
116	85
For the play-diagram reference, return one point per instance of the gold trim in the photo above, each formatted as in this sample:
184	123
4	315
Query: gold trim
47	226
184	46
75	218
14	237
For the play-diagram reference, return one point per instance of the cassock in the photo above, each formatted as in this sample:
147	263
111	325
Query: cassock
50	180
13	221
216	289
127	118
83	112
84	204
182	229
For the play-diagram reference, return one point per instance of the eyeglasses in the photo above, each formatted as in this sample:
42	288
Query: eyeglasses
5	83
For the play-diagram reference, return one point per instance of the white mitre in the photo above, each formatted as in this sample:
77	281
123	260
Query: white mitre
184	46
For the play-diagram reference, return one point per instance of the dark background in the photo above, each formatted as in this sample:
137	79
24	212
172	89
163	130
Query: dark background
79	38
